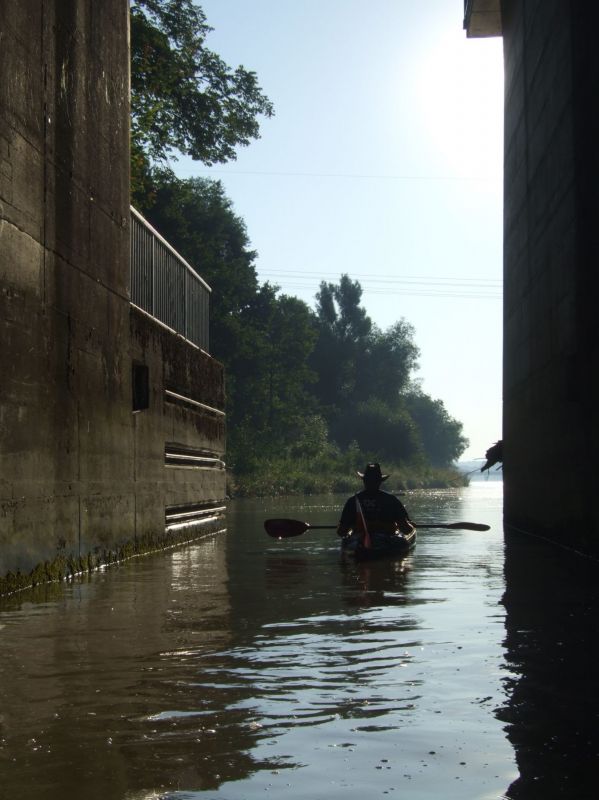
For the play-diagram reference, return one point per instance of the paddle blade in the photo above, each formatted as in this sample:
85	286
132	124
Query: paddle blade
285	528
454	526
469	526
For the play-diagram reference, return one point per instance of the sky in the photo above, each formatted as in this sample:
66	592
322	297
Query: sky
383	161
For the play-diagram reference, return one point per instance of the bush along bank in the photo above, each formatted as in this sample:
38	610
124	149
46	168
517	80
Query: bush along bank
277	478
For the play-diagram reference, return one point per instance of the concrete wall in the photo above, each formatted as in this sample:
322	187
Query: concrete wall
177	367
551	240
70	446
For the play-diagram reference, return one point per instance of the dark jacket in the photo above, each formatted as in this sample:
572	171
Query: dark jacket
383	512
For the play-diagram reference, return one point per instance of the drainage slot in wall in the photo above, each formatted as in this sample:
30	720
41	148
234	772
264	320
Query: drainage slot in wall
194	515
176	455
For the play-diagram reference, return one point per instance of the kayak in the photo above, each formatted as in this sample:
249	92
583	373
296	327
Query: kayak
384	545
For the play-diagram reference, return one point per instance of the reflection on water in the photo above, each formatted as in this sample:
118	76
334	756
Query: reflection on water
552	649
242	665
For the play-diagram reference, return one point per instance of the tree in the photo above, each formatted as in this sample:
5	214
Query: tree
184	98
344	328
338	307
442	436
382	431
365	385
386	364
353	358
271	412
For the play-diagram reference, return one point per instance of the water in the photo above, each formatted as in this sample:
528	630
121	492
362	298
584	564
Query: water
241	665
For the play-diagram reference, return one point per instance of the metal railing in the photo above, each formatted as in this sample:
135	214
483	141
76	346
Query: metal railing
164	285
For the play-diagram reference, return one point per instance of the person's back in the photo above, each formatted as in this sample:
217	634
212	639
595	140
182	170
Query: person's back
373	509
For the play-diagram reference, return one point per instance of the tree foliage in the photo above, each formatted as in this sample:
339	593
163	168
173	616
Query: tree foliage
385	366
343	328
441	435
365	384
353	358
184	97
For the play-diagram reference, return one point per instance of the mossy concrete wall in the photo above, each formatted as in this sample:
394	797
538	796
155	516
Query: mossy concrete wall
73	456
551	350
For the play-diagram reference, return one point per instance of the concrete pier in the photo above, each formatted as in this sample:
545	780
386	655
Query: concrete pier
551	251
83	479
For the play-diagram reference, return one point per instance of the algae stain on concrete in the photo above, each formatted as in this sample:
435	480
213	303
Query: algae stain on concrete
65	567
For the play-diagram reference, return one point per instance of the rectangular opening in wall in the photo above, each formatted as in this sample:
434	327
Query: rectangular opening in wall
141	387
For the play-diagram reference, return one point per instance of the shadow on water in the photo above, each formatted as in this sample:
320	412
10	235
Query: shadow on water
552	651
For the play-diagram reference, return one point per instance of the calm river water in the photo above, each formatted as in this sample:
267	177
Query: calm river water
241	665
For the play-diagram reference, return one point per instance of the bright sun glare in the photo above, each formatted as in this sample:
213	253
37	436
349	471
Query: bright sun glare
460	87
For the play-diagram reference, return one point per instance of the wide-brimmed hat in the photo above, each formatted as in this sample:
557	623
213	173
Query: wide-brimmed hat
373	471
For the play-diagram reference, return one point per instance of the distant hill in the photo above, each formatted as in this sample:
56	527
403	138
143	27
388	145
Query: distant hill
472	469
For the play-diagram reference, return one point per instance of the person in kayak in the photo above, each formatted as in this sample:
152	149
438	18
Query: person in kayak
373	511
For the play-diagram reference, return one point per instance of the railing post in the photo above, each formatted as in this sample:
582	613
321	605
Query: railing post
185	291
153	274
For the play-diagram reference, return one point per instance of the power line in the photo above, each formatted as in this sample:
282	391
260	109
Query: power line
384	277
406	292
358	176
395	283
409	291
407	285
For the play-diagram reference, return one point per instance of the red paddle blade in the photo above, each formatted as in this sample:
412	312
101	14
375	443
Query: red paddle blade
285	528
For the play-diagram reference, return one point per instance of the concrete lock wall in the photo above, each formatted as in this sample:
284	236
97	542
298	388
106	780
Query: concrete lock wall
551	239
82	478
179	433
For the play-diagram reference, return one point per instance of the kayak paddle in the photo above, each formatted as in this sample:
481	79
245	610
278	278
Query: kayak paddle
286	528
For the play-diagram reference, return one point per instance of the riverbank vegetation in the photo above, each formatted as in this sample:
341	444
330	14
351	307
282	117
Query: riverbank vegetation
277	478
312	393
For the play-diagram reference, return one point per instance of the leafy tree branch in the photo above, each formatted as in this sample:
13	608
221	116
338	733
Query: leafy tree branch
184	98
